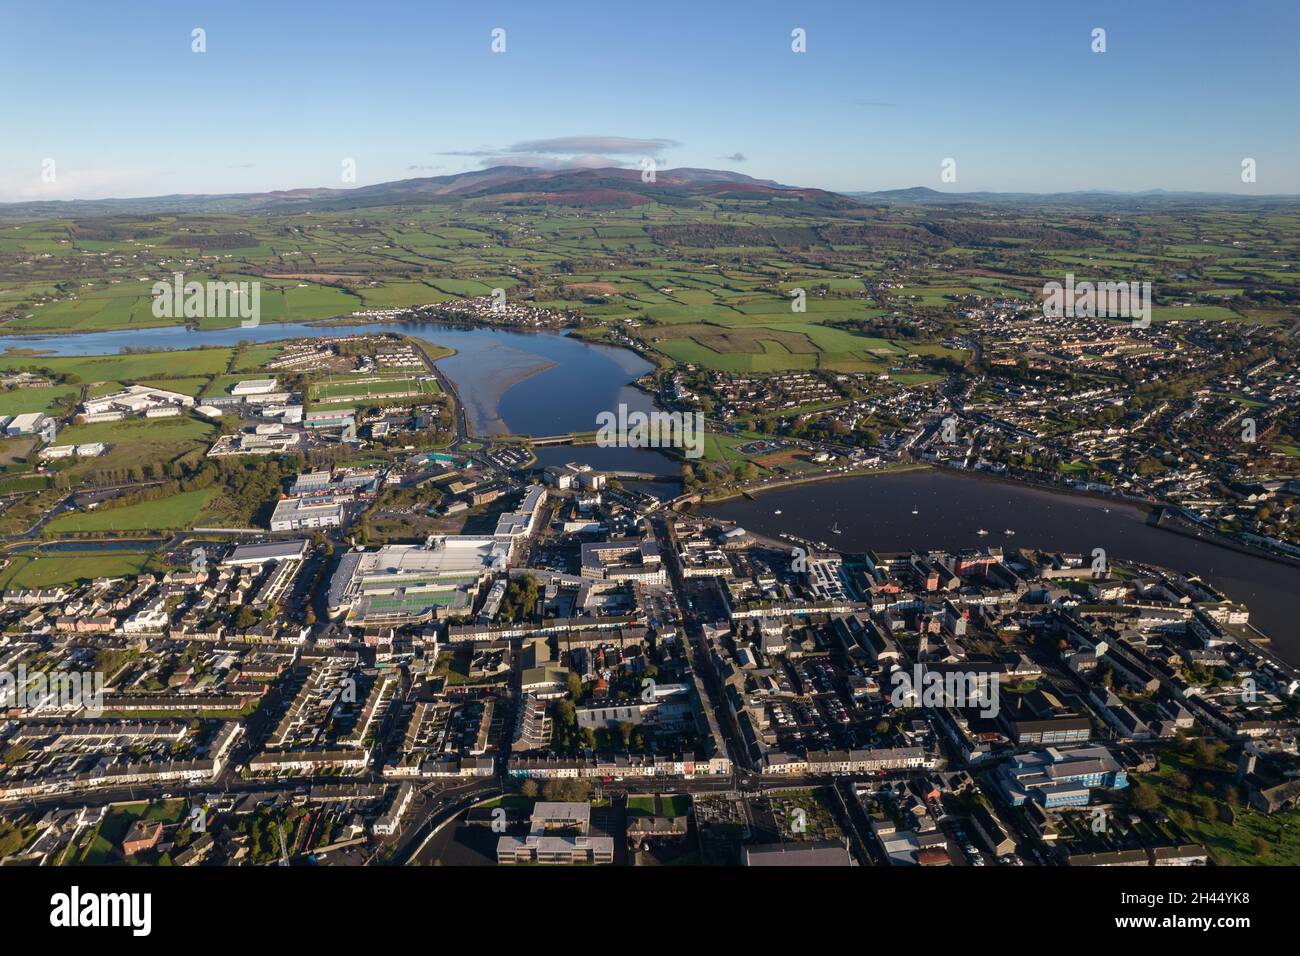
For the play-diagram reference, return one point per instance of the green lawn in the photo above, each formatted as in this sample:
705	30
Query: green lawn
673	805
176	511
335	391
19	401
25	571
154	431
128	367
1230	842
113	829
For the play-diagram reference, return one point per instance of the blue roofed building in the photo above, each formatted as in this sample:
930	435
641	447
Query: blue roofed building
1060	777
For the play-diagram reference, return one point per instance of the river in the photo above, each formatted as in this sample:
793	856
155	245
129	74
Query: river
647	461
875	512
544	383
528	383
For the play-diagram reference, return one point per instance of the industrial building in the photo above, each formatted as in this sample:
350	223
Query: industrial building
404	583
293	514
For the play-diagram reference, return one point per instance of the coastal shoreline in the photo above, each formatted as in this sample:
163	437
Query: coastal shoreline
500	386
1151	510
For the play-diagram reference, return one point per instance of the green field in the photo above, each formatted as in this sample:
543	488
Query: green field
1232	843
18	401
176	511
148	430
106	839
25	571
707	282
129	367
336	391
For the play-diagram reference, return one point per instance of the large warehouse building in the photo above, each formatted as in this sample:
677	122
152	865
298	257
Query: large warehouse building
406	583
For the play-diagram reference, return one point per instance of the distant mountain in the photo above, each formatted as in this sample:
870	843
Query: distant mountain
913	194
606	188
506	186
1088	199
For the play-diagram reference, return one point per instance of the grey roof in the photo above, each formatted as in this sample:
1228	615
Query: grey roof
822	853
270	551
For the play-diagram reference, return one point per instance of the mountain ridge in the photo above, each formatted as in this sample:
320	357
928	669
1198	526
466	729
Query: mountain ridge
597	187
607	186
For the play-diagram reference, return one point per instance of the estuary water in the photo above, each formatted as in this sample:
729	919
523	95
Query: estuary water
527	383
547	383
875	512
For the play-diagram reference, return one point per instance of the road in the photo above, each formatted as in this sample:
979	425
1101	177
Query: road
439	808
449	387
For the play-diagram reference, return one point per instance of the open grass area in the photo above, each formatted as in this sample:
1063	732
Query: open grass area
104	846
27	571
370	388
133	441
254	357
154	431
18	401
173	512
1235	834
127	367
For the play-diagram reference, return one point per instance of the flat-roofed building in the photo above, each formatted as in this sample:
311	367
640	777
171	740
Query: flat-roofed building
559	834
293	514
406	583
523	520
359	482
26	424
803	853
338	419
311	482
253	386
137	400
258	554
630	559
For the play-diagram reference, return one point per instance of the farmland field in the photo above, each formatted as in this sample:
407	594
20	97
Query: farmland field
712	285
16	401
129	366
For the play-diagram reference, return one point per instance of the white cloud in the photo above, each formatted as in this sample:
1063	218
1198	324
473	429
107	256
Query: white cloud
73	183
574	145
569	152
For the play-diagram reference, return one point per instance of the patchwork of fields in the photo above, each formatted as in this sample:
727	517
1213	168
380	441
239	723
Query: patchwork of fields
710	284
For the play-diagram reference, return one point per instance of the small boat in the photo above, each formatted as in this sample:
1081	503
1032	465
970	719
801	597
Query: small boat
981	532
1009	533
915	512
777	511
835	528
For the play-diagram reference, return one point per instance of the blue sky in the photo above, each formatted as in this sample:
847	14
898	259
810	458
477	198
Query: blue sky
885	92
